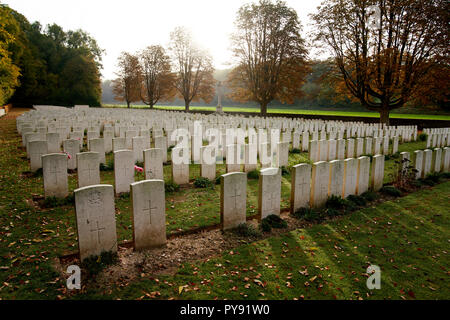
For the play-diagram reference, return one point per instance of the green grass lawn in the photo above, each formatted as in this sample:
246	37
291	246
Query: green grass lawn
406	238
31	238
299	111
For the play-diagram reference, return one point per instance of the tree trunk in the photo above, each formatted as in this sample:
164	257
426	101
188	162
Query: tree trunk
384	116
128	104
186	105
151	105
263	109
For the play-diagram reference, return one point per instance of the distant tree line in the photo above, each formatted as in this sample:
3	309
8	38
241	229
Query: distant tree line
46	65
155	74
385	55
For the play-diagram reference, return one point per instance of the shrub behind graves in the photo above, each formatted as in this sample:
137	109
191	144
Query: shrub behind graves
171	187
109	166
95	264
307	214
285	171
357	200
246	230
254	174
431	179
331	212
53	202
202	182
369	196
272	221
423	137
336	202
296	150
391	191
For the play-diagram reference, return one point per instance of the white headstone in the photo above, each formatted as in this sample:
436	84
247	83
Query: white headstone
71	147
233	199
350	176
337	178
377	172
363	175
320	181
300	186
153	164
149	214
123	170
96	222
55	175
88	171
269	195
37	150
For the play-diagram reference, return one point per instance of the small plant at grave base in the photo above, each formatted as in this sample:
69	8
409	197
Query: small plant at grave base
217	181
285	171
392	156
423	137
307	214
336	202
369	196
391	191
53	202
357	200
272	221
95	264
254	174
246	230
202	182
296	151
431	179
171	187
331	212
139	164
109	166
124	196
445	175
37	173
404	174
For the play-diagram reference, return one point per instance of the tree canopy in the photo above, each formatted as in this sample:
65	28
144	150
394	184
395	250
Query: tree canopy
271	54
384	49
50	65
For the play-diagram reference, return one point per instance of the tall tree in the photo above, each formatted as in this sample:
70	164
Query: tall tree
384	48
193	68
127	86
9	72
270	52
157	78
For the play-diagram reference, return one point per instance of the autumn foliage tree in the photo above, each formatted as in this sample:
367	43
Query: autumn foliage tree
192	67
127	85
384	49
156	76
9	72
271	54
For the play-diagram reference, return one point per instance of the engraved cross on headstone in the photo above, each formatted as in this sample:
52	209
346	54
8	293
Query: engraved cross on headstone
97	229
149	209
235	196
55	173
271	200
89	169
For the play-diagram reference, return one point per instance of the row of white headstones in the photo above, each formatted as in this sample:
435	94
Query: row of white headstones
311	185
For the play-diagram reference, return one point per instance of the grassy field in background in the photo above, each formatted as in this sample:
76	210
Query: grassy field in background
299	111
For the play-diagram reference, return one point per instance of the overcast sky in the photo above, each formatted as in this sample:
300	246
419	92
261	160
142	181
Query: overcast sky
131	25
